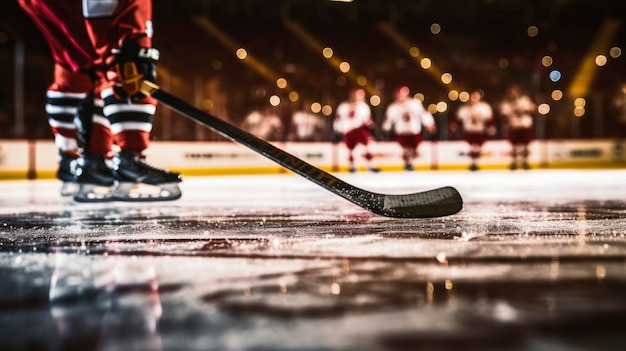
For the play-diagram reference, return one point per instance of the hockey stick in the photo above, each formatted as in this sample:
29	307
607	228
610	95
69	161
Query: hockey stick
433	203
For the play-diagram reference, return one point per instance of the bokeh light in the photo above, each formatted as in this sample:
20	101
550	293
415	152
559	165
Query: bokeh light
344	67
543	109
503	63
453	95
615	52
375	100
555	75
435	28
281	83
547	61
327	52
241	53
464	96
294	96
274	100
316	107
327	110
442	106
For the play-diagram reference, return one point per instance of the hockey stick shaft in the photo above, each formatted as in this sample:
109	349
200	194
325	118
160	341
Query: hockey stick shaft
447	199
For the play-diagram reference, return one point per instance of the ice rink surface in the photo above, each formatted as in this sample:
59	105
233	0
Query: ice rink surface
536	260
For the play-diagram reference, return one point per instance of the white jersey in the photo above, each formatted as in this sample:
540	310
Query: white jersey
407	117
306	125
518	112
475	117
352	115
264	126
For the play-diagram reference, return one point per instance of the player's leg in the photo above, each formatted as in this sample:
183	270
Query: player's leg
95	174
367	138
60	23
62	99
128	111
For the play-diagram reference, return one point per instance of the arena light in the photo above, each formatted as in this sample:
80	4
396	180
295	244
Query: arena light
588	68
316	107
241	53
281	83
503	63
316	46
327	110
294	96
446	78
274	100
375	100
547	61
615	52
404	43
435	28
543	109
453	95
327	52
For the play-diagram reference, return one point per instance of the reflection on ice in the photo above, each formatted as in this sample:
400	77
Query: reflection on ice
534	260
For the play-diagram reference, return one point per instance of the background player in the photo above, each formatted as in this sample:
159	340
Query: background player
354	122
476	119
518	110
405	117
86	42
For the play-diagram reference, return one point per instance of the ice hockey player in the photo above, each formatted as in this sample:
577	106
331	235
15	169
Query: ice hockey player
101	51
405	118
476	119
354	122
518	109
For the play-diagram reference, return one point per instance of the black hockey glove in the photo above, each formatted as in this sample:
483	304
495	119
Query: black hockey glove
135	63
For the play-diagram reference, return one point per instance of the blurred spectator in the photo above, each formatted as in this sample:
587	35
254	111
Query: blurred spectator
476	120
265	124
354	122
404	118
518	109
306	125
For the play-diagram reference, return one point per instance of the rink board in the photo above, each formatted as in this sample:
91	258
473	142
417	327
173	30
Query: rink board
38	158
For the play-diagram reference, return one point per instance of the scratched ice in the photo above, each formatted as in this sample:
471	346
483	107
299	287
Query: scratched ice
535	261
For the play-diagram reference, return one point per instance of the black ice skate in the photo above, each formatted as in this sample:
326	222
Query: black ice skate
66	173
140	181
95	179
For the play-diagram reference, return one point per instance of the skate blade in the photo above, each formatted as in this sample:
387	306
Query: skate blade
93	193
146	192
69	188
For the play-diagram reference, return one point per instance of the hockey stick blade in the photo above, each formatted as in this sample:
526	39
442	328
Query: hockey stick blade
432	203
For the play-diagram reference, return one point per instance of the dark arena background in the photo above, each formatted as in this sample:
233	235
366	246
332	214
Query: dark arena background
254	257
482	44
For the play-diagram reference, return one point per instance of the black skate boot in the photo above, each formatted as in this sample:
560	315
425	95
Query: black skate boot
66	173
95	179
140	181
